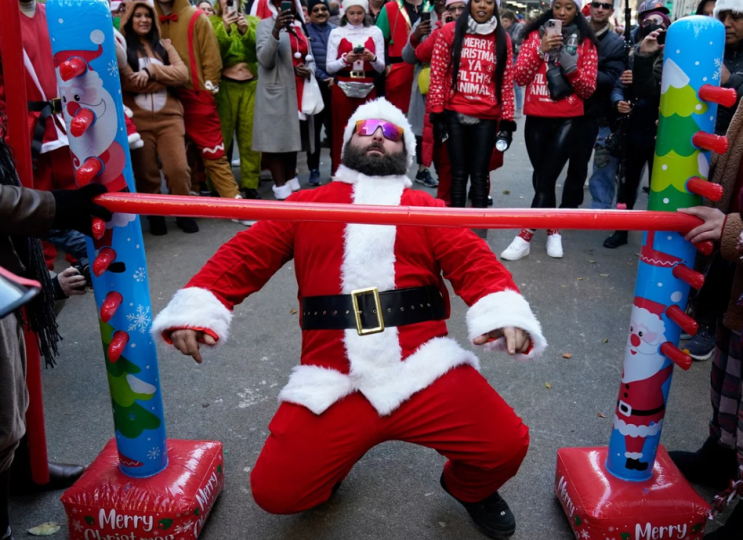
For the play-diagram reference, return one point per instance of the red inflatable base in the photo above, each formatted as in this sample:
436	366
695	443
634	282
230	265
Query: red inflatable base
601	506
105	504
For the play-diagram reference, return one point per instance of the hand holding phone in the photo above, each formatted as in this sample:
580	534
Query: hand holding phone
554	28
426	16
286	5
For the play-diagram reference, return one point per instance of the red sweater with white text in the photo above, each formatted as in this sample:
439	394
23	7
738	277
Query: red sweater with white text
476	86
530	71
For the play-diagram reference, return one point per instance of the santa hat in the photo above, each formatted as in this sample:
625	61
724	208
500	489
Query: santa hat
97	37
656	308
578	3
381	109
728	5
450	2
363	4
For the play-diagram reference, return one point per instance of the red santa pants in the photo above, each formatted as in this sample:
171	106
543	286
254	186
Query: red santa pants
460	416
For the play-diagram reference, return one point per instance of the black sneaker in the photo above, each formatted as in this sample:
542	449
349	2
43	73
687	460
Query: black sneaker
314	178
702	346
491	515
490	201
187	225
424	177
712	465
157	226
619	238
732	528
250	193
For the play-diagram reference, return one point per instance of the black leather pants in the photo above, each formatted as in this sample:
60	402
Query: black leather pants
470	148
549	143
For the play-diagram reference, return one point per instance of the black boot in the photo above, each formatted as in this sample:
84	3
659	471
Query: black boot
158	226
187	225
491	515
636	464
733	527
712	465
619	238
61	476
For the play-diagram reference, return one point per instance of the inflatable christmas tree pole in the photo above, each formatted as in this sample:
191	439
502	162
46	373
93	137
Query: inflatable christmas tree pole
632	490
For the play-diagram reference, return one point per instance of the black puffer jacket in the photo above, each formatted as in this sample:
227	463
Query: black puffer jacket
610	68
733	61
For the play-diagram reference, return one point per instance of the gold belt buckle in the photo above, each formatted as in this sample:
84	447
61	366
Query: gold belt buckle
357	314
358	75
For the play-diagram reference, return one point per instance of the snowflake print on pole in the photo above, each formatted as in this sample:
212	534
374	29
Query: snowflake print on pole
632	490
142	486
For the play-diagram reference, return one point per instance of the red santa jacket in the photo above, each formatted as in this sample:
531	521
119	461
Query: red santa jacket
640	404
530	72
334	258
476	86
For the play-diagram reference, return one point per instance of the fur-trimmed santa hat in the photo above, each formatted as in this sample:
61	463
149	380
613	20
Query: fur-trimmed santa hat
728	5
381	109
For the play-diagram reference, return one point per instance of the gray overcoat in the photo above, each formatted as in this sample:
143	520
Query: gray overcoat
276	122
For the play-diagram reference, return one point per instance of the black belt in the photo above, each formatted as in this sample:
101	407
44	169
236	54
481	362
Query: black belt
647	412
46	109
394	60
369	311
357	74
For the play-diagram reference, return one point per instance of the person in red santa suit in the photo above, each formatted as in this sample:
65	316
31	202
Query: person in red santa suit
392	373
355	52
640	405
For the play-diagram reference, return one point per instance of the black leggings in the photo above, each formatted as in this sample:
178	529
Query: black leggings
636	159
470	148
549	143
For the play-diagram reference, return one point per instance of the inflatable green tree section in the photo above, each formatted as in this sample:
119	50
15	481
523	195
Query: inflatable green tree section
130	418
676	158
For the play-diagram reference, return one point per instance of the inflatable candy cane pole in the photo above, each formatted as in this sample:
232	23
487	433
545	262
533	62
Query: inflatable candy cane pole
88	79
632	490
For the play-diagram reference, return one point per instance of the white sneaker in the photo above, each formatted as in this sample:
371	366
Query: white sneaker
236	162
554	246
244	222
282	192
518	249
293	184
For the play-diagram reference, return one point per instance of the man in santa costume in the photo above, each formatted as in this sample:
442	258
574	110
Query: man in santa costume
640	405
376	362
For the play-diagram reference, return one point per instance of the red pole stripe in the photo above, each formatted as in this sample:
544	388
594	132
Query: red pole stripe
533	218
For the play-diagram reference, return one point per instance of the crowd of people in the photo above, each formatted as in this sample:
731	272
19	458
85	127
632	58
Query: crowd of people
269	79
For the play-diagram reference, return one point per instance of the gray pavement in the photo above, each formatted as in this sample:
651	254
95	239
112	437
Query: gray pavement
583	302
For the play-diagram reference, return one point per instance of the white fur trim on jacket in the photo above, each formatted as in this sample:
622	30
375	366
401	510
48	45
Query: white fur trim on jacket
631	430
385	386
381	109
194	307
350	176
728	5
505	308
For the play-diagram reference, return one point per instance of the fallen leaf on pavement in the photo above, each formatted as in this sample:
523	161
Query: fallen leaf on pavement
45	529
591	261
564	286
606	341
602	415
567	355
547	385
506	192
604	275
580	279
293	311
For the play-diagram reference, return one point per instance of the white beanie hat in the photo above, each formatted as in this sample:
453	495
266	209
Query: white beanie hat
578	3
728	5
364	4
381	109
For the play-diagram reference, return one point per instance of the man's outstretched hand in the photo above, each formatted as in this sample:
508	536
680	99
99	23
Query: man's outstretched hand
517	340
187	341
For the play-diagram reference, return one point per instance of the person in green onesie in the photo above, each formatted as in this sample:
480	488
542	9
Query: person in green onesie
235	100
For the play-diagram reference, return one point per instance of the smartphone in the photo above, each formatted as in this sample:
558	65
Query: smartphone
231	9
662	37
554	27
426	16
15	291
358	50
286	5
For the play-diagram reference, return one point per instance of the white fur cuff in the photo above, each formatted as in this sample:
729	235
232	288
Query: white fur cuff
315	387
194	307
505	308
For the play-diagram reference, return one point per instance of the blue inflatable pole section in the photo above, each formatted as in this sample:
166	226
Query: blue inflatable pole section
82	37
692	60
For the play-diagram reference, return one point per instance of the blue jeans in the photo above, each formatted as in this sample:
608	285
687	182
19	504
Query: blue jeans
71	242
602	183
518	90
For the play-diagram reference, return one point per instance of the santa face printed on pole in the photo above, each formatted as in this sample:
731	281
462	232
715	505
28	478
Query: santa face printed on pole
641	404
87	92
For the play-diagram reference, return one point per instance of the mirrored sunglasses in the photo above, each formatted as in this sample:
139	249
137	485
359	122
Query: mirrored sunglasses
389	130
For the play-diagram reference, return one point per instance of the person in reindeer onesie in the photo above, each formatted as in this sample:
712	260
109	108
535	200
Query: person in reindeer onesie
376	364
193	38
